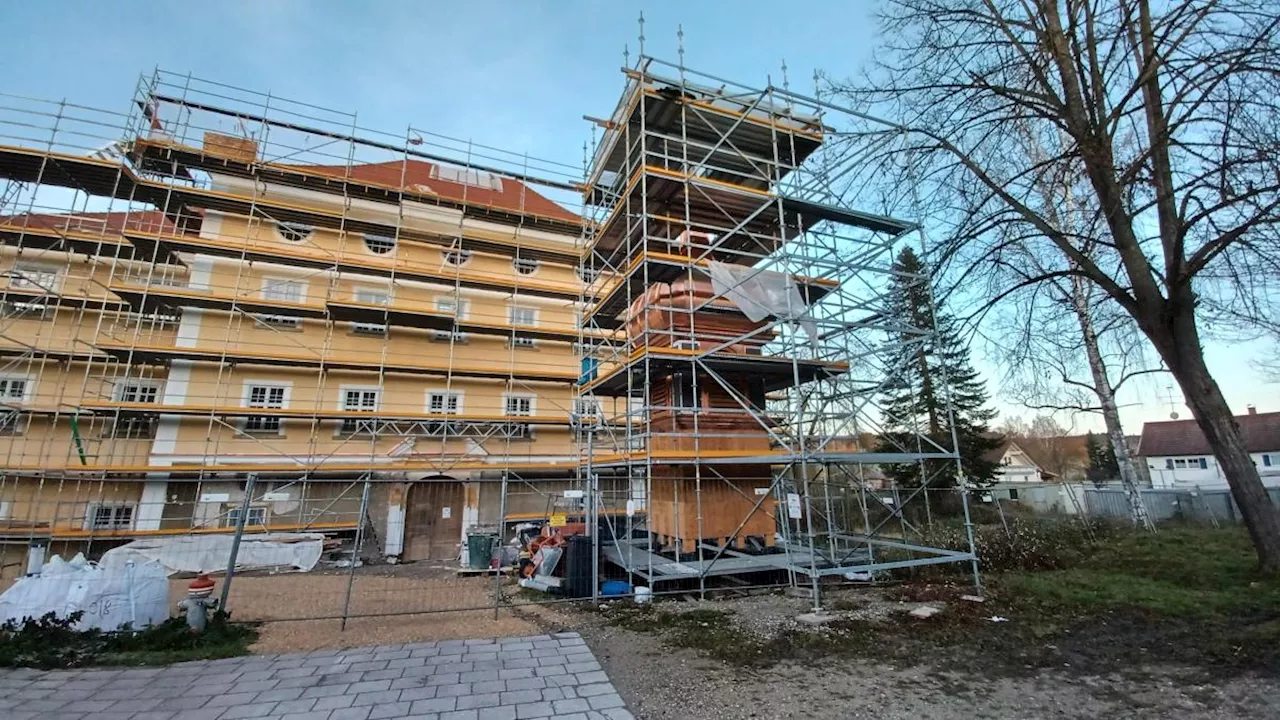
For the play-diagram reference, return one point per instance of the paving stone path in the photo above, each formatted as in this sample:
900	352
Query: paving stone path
545	676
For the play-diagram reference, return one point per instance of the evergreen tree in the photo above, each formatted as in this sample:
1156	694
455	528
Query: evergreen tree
1103	465
914	400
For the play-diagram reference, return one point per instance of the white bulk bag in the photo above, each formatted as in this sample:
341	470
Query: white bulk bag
135	594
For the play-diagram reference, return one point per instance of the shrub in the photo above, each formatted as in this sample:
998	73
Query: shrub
1025	544
52	642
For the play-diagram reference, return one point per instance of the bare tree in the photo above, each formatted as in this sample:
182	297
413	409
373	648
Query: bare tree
1168	112
1060	345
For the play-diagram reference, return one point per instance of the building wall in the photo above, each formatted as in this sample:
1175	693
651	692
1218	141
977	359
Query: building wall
1183	471
1016	466
56	388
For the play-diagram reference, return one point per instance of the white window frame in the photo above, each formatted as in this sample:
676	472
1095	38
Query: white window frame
343	427
455	395
525	266
91	516
388	242
286	229
587	406
532	310
247	394
135	387
508	397
266	292
450	305
269	282
233	513
379	292
28	389
37	276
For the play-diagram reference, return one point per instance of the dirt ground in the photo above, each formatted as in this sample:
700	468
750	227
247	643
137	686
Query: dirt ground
390	591
662	682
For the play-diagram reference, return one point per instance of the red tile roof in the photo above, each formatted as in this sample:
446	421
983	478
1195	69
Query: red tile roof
1183	437
421	176
152	221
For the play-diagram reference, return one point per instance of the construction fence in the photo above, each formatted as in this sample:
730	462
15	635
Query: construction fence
1196	505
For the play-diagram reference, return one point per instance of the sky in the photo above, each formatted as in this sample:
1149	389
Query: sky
518	75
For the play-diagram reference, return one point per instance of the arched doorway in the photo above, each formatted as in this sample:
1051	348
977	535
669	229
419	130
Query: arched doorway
433	520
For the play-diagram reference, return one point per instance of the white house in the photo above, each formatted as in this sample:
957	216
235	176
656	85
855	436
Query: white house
1015	465
1178	456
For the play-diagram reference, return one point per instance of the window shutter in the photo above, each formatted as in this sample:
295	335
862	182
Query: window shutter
1204	463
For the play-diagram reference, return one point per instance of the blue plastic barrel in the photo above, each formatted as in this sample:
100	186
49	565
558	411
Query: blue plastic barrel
615	587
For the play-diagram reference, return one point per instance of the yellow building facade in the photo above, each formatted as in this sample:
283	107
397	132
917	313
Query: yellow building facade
289	337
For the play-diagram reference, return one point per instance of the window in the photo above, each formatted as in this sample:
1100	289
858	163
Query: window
357	400
379	244
34	277
135	426
26	310
525	265
519	405
13	390
110	517
452	306
1268	460
586	407
466	176
456	257
281	290
135	391
523	315
257	516
445	402
264	396
371	296
1013	494
1187	463
523	342
683	394
294	232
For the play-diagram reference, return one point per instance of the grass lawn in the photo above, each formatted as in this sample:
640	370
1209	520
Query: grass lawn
1187	595
1181	572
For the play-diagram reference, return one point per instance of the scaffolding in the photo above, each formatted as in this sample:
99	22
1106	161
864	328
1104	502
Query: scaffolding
224	300
747	301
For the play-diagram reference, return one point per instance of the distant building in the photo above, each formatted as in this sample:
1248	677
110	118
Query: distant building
1176	453
1015	465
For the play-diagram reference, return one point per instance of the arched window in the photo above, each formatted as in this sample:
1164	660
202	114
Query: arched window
294	232
379	244
525	265
456	257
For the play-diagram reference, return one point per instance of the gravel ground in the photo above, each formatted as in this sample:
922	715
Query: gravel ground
662	682
375	590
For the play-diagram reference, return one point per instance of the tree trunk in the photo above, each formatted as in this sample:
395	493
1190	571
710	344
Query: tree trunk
1107	399
1181	350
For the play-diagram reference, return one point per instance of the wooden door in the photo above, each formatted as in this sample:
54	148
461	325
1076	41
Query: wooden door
433	521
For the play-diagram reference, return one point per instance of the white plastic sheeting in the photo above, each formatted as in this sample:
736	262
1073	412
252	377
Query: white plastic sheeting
134	594
762	293
209	553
